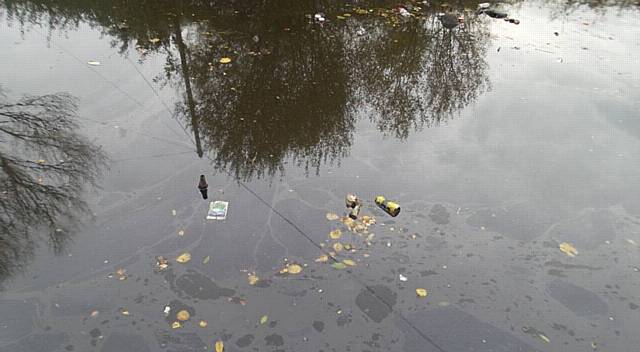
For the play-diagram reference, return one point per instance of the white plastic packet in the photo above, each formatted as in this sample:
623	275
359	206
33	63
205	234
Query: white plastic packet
218	210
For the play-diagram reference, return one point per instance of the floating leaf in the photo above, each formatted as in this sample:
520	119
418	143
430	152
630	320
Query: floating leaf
225	60
125	312
219	346
93	63
183	258
183	315
341	17
176	325
94	313
335	234
349	262
253	279
337	246
121	274
202	324
206	260
161	262
368	220
322	259
339	265
294	269
174	212
361	11
264	319
568	249
421	292
181	233
154	40
332	216
544	338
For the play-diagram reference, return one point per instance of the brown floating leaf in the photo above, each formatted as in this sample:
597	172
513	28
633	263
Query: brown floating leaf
183	315
183	258
568	249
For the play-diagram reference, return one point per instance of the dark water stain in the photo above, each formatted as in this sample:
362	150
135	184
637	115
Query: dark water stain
633	306
199	286
121	342
521	222
95	333
439	214
245	340
318	326
38	343
180	341
535	333
588	231
376	302
454	330
274	340
561	327
424	273
580	301
559	264
557	273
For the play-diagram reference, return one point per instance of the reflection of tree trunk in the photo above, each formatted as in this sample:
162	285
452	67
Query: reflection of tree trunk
187	84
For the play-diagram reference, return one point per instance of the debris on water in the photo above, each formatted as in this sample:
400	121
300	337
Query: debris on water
256	38
338	247
484	5
556	34
218	210
403	12
335	234
174	212
183	315
176	325
125	312
183	258
389	207
202	324
421	292
253	279
368	220
93	63
631	242
332	216
121	274
162	263
322	259
203	186
361	31
264	319
166	310
568	249
225	60
219	346
154	40
339	265
319	17
349	262
351	200
94	314
206	260
293	269
535	333
494	13
181	233
402	278
355	211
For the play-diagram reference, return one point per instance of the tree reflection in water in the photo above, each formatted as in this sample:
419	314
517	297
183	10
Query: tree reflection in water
44	167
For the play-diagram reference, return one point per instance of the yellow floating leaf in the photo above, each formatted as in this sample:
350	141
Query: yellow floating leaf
294	269
225	60
421	292
341	17
183	315
41	161
568	249
322	259
361	11
219	346
154	40
202	324
335	234
332	216
264	319
183	258
176	325
349	262
253	279
338	246
544	338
